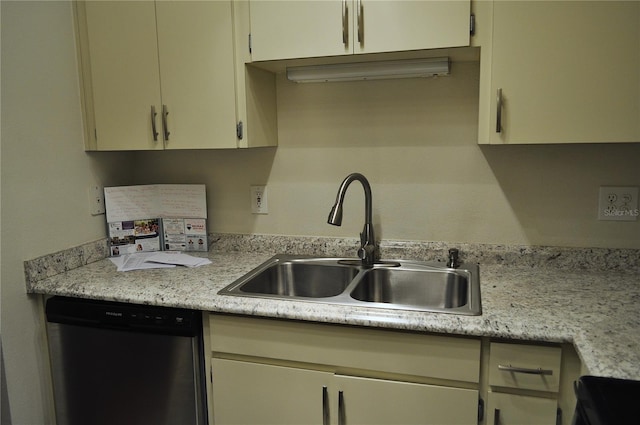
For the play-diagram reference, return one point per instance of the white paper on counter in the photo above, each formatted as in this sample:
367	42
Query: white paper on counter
177	258
156	260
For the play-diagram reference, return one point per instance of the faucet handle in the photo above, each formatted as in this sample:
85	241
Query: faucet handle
453	258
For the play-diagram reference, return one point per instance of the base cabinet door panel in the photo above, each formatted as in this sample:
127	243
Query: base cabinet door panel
252	393
511	409
364	401
249	393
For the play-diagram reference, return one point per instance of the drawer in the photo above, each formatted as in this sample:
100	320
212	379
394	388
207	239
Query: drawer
525	366
340	347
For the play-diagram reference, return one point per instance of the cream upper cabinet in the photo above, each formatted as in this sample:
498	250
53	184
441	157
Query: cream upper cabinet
124	73
195	41
561	72
302	29
158	75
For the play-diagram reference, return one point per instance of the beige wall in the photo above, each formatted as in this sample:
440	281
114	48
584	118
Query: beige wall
416	142
45	178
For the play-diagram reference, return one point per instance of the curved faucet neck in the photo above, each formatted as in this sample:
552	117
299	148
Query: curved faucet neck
368	213
367	251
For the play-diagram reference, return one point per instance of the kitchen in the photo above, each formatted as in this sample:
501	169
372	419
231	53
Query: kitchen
403	135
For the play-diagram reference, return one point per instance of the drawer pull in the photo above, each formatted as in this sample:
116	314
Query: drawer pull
538	371
499	112
325	405
154	131
345	23
165	124
360	22
341	416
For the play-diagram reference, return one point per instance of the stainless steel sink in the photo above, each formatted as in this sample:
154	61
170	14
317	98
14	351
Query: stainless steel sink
404	285
300	279
430	288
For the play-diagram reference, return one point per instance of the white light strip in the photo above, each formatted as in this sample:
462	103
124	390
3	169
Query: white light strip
410	68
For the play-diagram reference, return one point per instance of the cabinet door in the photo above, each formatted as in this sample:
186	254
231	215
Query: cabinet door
388	26
311	28
288	29
124	73
195	43
250	393
510	409
569	71
374	401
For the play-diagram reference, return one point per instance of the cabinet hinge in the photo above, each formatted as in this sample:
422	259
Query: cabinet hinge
239	130
95	134
480	410
472	24
249	43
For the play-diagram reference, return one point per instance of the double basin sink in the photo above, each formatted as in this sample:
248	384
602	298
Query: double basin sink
404	285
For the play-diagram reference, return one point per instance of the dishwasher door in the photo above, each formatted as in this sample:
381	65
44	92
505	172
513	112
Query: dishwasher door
124	364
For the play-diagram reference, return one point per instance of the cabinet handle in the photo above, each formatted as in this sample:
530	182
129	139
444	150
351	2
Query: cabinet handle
360	22
499	112
538	371
345	23
153	123
496	417
325	405
341	417
165	126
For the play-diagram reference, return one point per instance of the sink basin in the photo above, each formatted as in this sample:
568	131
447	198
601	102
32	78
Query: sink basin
402	285
431	288
298	279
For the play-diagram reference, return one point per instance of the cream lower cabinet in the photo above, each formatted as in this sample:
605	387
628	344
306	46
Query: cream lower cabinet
560	72
286	29
282	372
247	393
511	409
253	393
524	381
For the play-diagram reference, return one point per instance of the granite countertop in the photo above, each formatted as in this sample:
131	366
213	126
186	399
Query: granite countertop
597	311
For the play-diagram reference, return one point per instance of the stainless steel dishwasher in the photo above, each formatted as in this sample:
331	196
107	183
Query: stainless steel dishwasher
117	363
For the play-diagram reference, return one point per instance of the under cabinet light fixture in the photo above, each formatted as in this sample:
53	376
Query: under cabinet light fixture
408	68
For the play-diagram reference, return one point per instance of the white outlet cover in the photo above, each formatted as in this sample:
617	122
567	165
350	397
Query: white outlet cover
259	204
96	200
618	203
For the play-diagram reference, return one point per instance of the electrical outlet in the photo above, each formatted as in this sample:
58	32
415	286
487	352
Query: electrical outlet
618	203
259	203
96	199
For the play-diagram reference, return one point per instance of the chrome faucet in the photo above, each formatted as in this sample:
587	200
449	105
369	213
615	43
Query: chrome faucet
367	250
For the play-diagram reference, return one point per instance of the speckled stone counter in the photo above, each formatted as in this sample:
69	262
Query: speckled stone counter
594	306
